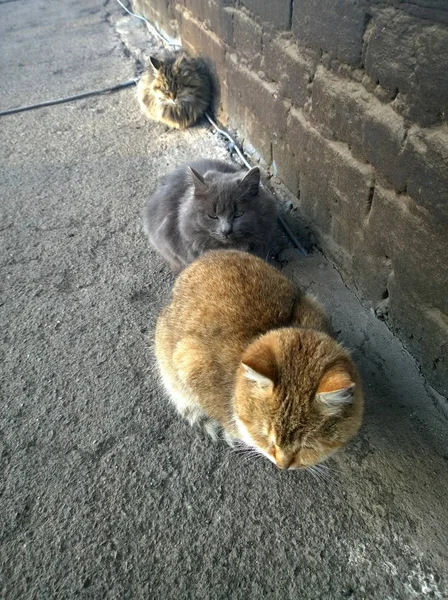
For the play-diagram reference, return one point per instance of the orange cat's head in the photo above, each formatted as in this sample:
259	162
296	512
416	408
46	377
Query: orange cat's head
298	397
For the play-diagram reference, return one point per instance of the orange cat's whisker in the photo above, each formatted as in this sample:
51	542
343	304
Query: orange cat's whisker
312	473
319	473
246	452
315	473
327	468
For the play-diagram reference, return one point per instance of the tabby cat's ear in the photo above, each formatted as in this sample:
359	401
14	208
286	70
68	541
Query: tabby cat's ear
184	65
336	390
155	62
198	181
251	181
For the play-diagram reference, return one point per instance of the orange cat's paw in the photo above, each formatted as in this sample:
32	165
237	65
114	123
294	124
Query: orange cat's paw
211	428
230	440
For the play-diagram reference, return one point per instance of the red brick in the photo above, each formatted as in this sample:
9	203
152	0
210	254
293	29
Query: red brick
254	138
390	53
220	20
335	27
247	36
285	166
294	68
222	105
424	331
430	102
398	231
335	188
260	97
277	13
199	8
405	55
199	40
374	131
426	153
158	12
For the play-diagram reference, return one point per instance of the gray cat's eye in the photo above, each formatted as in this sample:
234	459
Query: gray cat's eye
213	216
238	215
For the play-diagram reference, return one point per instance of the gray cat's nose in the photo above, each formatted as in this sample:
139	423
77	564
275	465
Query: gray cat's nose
226	229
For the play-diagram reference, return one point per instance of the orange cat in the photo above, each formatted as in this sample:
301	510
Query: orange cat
239	346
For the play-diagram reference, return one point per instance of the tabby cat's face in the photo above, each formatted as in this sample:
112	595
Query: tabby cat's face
176	81
298	398
225	207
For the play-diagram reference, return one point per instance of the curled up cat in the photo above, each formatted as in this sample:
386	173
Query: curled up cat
209	205
239	347
176	90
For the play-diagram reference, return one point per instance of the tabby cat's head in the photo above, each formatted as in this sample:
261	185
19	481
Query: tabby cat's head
178	77
298	397
225	203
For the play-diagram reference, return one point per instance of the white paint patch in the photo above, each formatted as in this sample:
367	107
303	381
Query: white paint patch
418	582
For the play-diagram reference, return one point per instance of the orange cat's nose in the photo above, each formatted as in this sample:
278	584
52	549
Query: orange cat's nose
284	465
282	461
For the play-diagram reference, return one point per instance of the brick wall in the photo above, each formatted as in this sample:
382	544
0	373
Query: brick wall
346	102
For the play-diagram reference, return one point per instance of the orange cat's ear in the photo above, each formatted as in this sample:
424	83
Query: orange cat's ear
260	367
155	62
259	364
198	181
251	181
257	377
336	390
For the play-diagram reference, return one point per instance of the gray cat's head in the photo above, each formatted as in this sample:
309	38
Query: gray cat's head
225	203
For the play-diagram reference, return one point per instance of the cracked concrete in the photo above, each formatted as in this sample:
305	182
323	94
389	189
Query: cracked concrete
104	492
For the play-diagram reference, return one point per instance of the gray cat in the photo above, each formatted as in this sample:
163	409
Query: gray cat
207	205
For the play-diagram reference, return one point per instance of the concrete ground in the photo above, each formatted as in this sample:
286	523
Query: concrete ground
105	493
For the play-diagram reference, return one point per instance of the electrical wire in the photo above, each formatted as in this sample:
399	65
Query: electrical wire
230	138
19	109
149	25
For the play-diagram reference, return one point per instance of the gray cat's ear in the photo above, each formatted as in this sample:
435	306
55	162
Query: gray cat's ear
251	181
198	181
155	62
257	377
335	392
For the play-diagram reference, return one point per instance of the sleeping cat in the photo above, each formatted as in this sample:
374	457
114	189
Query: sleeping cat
176	91
239	346
209	205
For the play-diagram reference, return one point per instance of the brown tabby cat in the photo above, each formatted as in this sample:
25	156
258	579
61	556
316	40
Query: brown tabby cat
178	90
241	347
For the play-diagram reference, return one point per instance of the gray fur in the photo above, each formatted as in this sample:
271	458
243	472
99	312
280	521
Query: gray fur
177	217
